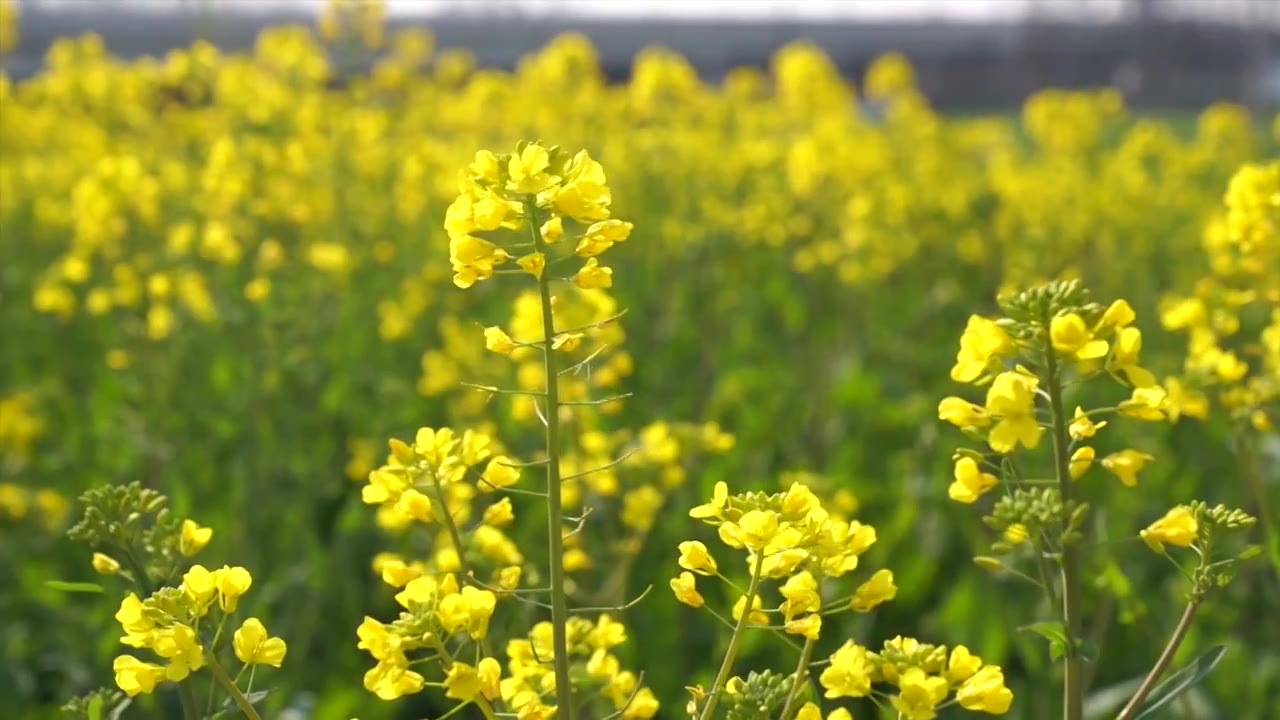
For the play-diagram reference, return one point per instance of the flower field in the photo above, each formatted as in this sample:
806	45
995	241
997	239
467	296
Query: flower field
436	389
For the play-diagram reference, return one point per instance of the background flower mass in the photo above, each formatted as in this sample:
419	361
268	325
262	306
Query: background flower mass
291	355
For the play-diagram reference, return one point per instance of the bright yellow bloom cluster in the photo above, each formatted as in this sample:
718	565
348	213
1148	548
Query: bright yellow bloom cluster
1232	319
499	192
1091	343
169	624
436	609
924	676
531	680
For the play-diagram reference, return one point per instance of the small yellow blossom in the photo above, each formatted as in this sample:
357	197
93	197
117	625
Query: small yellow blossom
1011	397
193	537
134	676
685	589
970	482
1177	527
877	590
984	691
962	413
567	342
533	263
919	694
848	674
496	340
254	646
694	556
1082	427
1126	465
1071	338
593	275
1081	461
499	473
1147	403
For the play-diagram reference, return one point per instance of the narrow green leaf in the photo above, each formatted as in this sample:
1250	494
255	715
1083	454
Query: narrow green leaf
78	587
95	708
1180	682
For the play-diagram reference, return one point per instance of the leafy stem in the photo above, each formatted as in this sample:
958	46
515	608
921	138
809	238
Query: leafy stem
797	682
555	541
1073	676
231	689
1162	663
735	640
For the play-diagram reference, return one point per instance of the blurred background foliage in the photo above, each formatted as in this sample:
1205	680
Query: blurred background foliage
224	275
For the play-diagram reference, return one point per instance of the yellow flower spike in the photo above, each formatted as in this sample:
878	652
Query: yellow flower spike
919	694
1177	527
985	691
962	664
593	276
686	591
498	474
879	589
496	340
848	673
1071	338
1011	397
1082	427
254	646
533	263
105	564
1126	465
970	482
1081	461
567	342
1146	403
232	583
808	626
694	556
962	413
193	537
135	677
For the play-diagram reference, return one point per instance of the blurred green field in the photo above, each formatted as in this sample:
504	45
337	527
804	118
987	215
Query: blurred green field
225	280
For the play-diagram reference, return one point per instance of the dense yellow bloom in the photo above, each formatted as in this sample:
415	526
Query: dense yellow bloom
1011	398
1177	527
970	482
1126	465
254	646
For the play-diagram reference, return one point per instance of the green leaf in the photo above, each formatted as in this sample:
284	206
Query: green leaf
77	587
1181	681
95	708
1053	631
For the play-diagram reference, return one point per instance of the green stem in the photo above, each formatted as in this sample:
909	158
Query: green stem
1073	676
735	641
230	687
1162	663
802	673
555	540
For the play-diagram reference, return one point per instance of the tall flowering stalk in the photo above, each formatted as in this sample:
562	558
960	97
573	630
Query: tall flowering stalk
1049	340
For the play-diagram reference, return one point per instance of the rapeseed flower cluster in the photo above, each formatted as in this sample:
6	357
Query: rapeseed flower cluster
795	545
